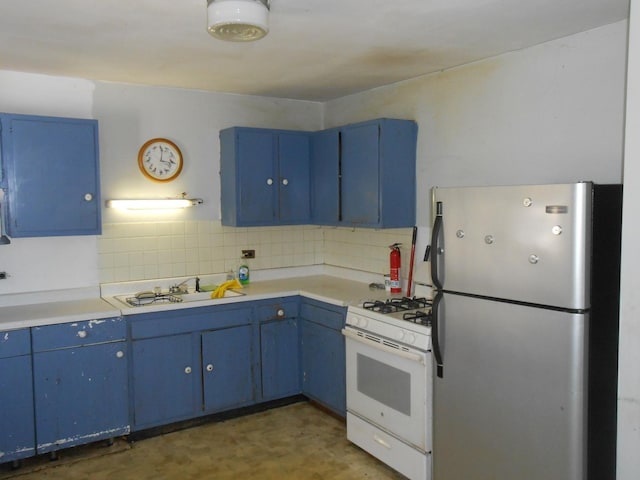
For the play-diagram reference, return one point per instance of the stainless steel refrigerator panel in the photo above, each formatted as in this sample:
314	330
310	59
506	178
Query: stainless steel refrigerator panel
525	243
511	404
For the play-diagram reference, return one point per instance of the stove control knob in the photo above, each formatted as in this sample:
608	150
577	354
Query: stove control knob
410	339
400	335
363	322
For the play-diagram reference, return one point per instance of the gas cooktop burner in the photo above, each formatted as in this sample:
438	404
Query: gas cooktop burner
419	317
394	305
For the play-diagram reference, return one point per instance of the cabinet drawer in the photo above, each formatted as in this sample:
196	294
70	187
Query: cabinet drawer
329	318
74	334
188	320
276	309
14	343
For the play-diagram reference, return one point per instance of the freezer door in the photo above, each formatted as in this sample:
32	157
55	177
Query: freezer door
512	401
523	243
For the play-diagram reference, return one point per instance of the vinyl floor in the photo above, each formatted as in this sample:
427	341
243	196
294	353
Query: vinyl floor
297	441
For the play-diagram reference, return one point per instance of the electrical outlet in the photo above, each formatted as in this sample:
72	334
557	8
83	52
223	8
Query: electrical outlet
3	275
248	254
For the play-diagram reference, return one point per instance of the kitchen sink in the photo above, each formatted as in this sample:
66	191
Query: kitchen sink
199	296
149	298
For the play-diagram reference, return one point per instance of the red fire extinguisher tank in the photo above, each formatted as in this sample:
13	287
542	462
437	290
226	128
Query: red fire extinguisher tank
394	264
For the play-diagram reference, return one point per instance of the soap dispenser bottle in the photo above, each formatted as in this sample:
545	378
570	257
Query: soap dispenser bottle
243	271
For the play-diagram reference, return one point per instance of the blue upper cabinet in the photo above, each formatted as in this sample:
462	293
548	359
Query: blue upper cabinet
52	176
264	177
364	174
325	174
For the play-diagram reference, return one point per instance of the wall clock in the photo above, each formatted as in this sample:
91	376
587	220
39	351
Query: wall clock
160	160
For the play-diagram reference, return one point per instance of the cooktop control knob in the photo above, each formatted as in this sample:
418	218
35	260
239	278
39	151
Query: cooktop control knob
400	335
362	322
410	339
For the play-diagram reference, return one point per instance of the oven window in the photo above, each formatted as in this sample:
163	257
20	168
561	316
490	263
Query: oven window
388	385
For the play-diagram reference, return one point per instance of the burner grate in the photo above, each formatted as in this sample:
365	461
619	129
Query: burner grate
419	317
394	305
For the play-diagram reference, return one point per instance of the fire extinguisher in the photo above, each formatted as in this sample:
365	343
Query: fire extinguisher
395	263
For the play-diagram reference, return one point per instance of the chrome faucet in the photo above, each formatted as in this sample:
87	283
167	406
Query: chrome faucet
182	286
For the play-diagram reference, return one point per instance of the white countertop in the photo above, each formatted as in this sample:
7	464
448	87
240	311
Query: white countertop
325	288
49	313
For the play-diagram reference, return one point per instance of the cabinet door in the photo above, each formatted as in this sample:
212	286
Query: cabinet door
360	179
17	437
323	365
166	380
325	178
293	170
248	177
52	173
80	395
227	374
279	355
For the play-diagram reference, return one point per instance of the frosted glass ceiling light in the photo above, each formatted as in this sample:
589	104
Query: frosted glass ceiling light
238	20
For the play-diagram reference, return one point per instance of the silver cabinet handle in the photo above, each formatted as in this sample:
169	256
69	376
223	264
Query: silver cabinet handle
269	181
187	370
119	354
209	368
82	334
88	197
285	181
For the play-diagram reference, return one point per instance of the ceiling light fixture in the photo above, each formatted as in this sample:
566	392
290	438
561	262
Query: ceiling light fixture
238	20
154	204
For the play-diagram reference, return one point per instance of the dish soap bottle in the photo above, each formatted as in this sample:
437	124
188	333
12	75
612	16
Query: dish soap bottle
243	272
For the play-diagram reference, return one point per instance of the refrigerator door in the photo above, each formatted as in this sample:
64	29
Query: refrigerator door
526	243
511	404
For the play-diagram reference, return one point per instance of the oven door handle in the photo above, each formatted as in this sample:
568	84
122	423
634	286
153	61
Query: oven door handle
416	357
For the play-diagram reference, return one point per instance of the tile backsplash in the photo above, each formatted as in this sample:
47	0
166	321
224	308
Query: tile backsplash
141	251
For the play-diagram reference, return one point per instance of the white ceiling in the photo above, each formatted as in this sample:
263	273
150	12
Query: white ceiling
316	49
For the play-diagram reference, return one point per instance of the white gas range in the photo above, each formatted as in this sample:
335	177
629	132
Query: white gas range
389	382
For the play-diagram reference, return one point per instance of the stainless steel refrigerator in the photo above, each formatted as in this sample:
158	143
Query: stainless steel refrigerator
525	331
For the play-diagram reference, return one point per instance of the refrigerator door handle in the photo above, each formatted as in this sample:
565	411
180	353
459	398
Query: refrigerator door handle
435	249
435	337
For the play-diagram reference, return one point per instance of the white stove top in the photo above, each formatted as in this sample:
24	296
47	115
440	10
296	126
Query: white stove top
394	326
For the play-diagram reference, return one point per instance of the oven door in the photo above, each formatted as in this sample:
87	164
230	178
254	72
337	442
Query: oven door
388	385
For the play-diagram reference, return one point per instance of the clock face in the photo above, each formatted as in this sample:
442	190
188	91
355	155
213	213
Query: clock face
160	160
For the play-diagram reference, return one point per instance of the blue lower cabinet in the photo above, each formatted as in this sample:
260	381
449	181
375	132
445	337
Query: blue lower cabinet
17	434
191	362
323	354
279	345
227	372
165	380
80	395
80	379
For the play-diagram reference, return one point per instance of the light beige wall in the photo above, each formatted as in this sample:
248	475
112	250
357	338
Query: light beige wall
629	353
139	251
149	250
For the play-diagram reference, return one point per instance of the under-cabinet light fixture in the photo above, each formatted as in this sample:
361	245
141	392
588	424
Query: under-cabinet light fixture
154	204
